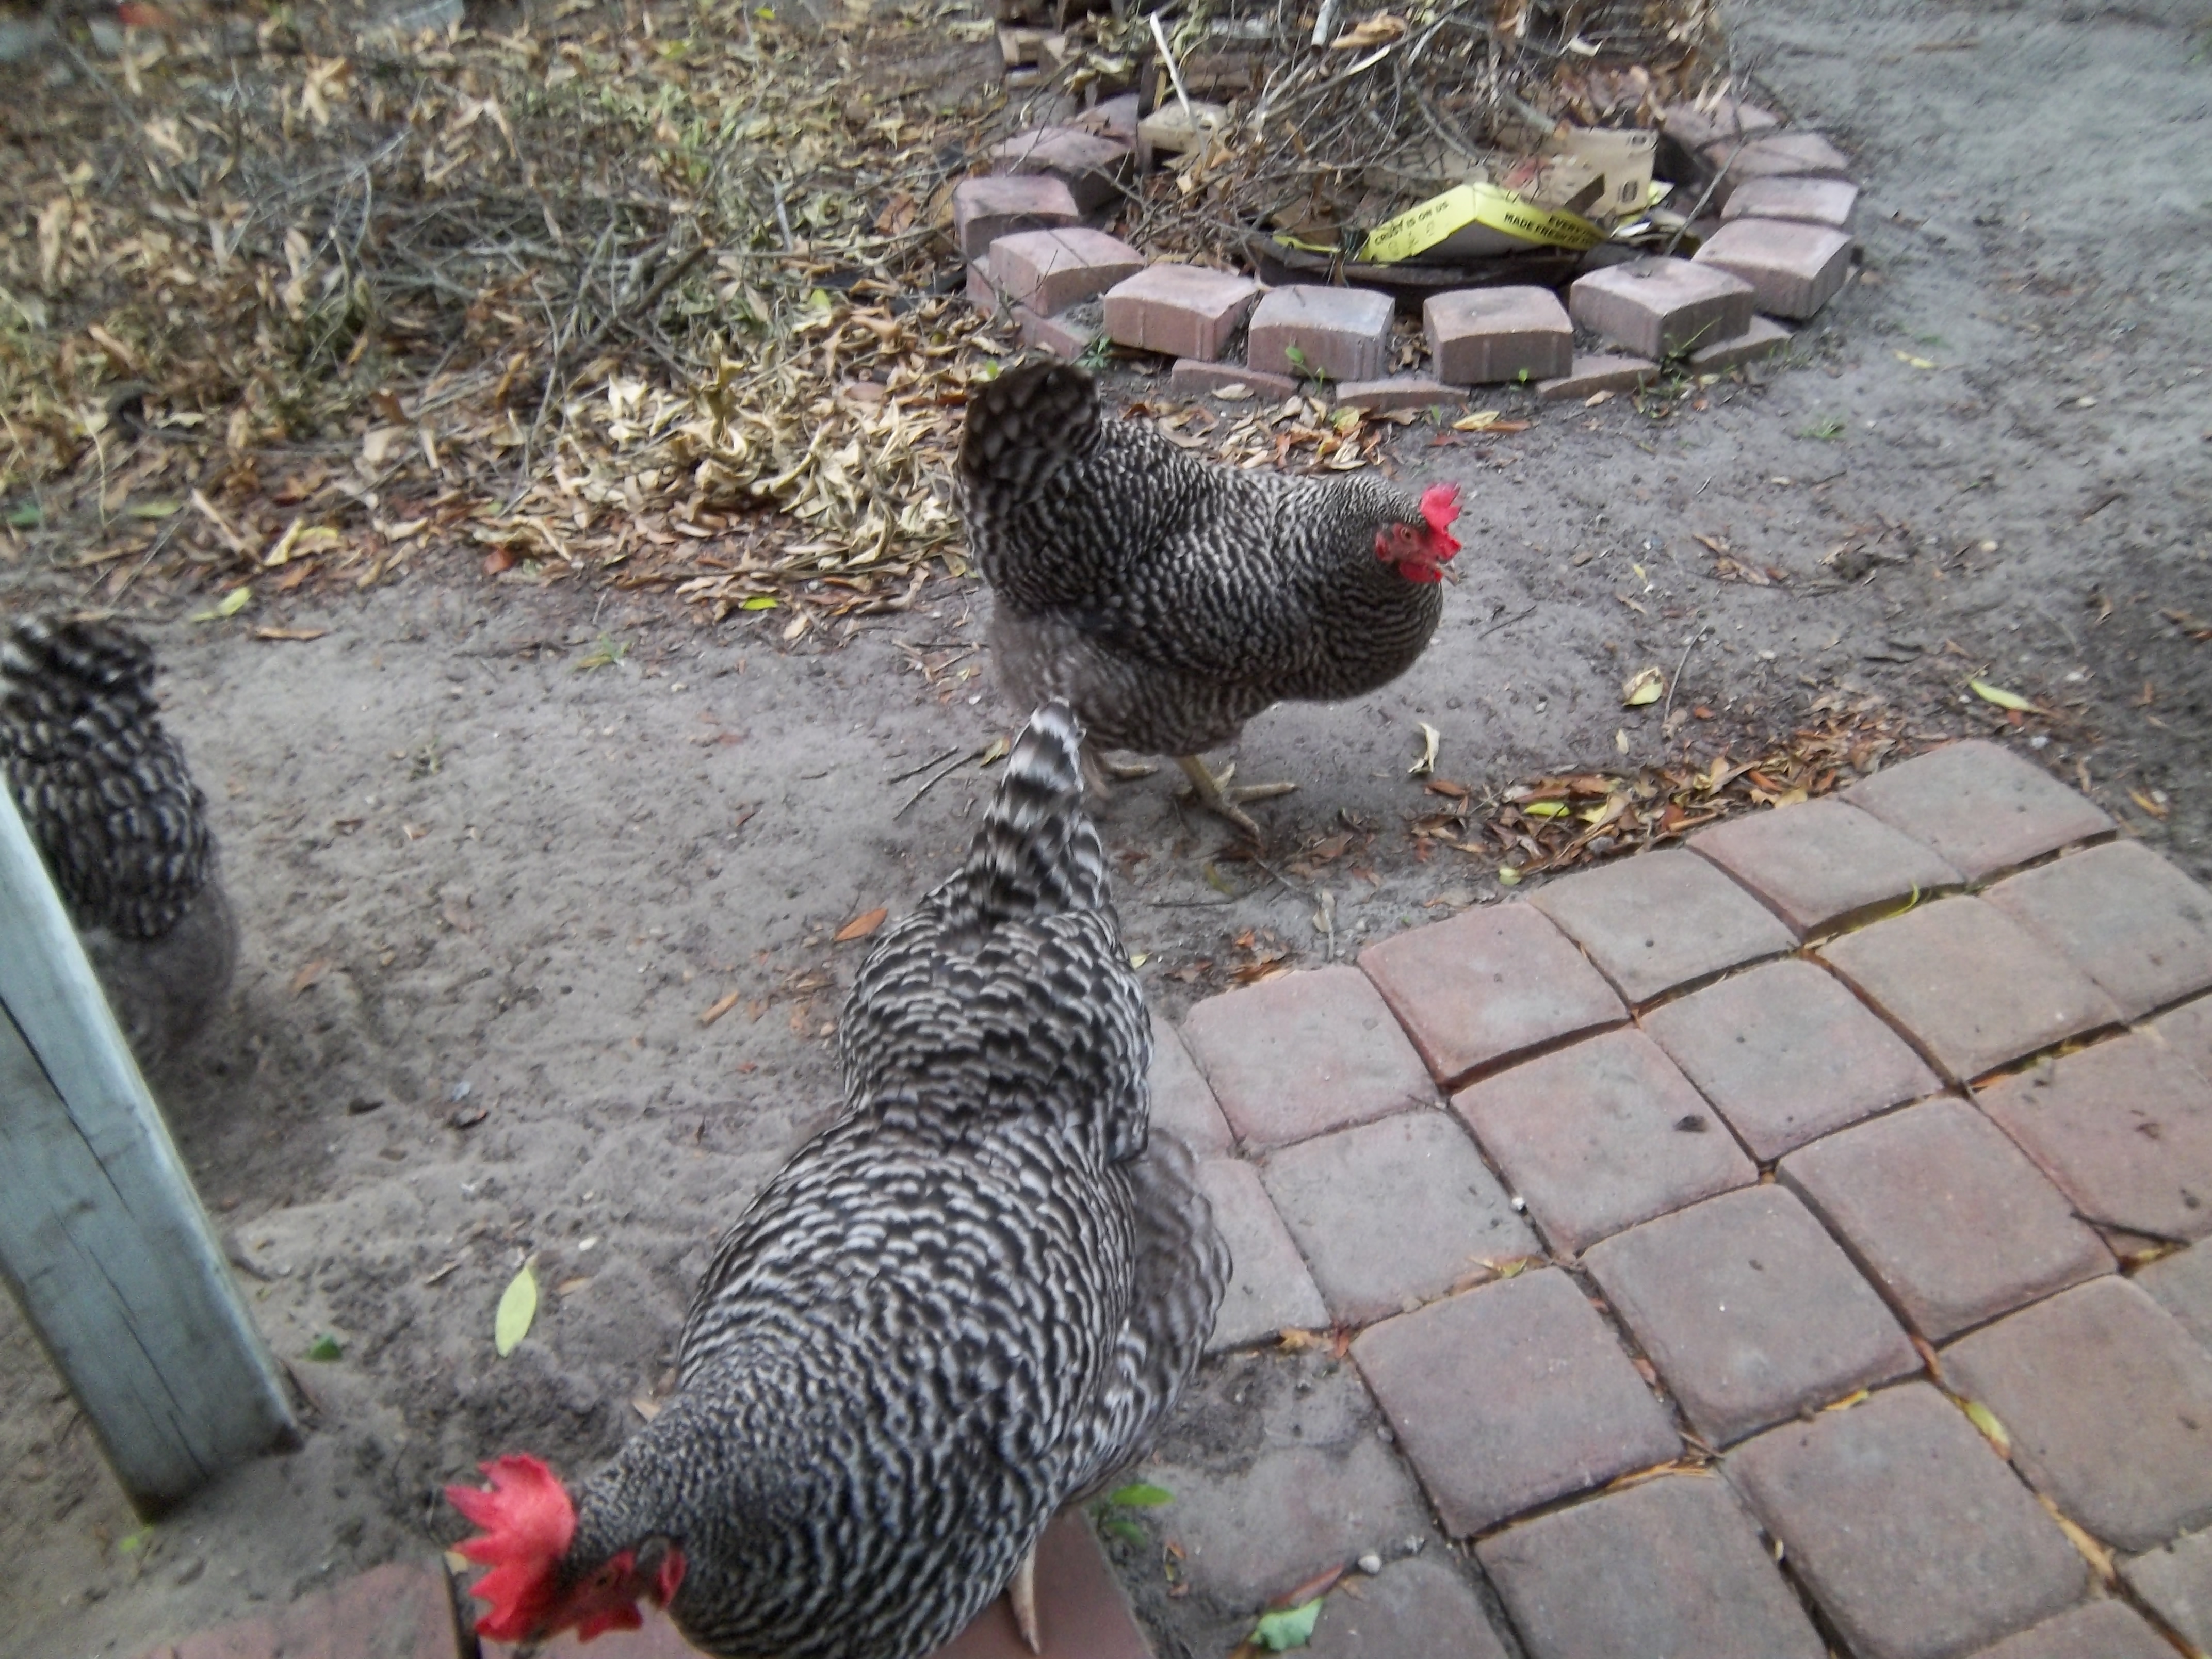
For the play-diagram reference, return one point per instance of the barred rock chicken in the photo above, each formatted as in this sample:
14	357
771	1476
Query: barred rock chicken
1169	599
106	797
966	1303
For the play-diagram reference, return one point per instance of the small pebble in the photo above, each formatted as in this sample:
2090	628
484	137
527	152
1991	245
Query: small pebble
1370	1563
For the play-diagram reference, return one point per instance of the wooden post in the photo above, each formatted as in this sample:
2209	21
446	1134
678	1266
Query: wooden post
102	1238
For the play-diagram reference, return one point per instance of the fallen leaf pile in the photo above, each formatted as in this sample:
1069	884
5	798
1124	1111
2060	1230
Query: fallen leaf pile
1553	823
644	296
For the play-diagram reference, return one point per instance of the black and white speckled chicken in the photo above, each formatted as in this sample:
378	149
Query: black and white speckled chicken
968	1303
107	799
1169	599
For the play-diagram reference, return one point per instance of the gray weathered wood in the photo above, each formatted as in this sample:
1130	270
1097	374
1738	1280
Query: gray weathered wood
102	1238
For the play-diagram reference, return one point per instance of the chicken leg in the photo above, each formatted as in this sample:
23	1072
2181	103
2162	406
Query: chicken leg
1022	1592
1215	794
1100	772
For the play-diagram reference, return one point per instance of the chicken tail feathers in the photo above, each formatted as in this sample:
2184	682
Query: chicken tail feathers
102	788
1038	850
1025	426
50	667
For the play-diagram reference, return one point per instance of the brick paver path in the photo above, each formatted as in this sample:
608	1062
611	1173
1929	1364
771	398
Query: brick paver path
1626	1259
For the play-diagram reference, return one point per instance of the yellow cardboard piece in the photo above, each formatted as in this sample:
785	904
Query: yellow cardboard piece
1621	157
1421	227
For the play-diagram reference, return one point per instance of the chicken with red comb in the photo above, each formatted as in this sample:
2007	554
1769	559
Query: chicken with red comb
1169	599
971	1301
529	1522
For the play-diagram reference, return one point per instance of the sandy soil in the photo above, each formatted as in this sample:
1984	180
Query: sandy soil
489	891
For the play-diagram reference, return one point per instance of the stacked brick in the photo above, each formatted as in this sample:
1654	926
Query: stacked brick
1775	248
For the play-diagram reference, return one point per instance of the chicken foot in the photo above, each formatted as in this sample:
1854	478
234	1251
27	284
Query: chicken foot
1100	771
1022	1592
1215	795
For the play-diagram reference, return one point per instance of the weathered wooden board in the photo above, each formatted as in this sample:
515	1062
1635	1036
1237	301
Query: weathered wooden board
102	1238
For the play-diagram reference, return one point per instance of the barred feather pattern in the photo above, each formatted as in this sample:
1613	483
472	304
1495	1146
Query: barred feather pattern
968	1302
1169	599
103	789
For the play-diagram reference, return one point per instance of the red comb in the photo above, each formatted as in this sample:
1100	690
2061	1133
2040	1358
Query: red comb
527	1520
1440	506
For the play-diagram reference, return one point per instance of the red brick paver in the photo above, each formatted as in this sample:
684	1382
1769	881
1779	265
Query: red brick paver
1602	1135
1092	167
1829	202
1794	268
1062	336
1269	1289
1489	983
1662	919
403	1611
1749	1310
1787	1055
1795	153
2108	1402
2123	1129
1950	1218
1657	306
1762	339
1694	127
1915	1540
2188	1031
1974	987
1510	1395
1181	1104
1340	332
1417	1609
1049	270
1671	1568
1397	392
2182	1284
1824	864
1189	377
2102	1629
1982	808
1321	1487
982	288
2124	916
984	210
1598	372
1396	1214
1303	1055
2175	1582
1483	335
1186	311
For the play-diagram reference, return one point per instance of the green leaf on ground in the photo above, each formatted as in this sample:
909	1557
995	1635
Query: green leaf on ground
229	605
518	1306
1140	1495
1290	1627
1999	696
325	1348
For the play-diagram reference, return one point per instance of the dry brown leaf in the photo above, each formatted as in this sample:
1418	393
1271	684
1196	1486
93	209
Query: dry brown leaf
860	925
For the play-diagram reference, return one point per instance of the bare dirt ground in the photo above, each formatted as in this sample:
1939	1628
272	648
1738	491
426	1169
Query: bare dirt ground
489	890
